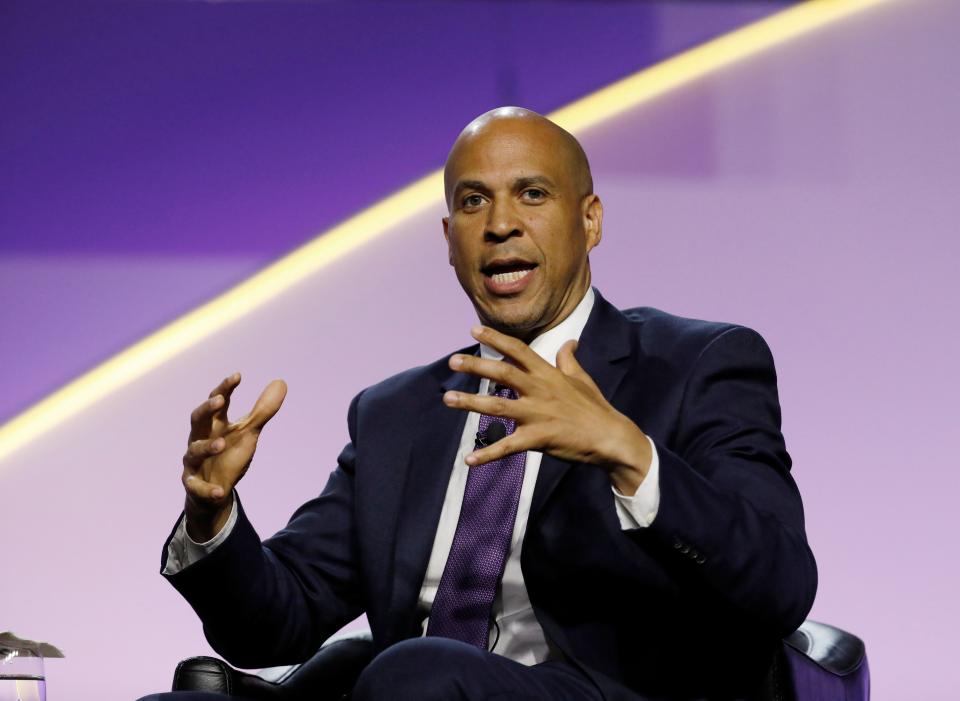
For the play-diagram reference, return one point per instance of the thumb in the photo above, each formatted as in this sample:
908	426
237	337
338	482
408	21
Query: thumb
568	365
567	362
266	406
268	403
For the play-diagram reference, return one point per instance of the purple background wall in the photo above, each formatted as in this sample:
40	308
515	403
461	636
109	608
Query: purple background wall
809	193
182	145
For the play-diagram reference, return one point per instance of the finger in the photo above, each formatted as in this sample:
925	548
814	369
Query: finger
511	347
490	405
226	385
514	443
201	418
225	389
496	370
200	489
265	408
199	450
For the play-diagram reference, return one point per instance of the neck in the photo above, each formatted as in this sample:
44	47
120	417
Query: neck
571	301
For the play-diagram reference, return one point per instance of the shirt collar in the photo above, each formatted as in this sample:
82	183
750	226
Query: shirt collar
547	344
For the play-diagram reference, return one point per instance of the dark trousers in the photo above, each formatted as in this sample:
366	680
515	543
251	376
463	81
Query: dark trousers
438	669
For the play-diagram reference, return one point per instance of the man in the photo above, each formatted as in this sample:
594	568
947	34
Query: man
592	504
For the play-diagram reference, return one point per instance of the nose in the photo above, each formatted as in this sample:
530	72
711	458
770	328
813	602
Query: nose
503	222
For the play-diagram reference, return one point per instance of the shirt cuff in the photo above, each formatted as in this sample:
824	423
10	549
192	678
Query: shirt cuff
183	550
639	510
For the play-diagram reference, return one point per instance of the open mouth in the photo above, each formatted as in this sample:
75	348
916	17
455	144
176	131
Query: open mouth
507	276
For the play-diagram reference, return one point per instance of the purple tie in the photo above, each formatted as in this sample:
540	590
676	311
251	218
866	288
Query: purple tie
461	608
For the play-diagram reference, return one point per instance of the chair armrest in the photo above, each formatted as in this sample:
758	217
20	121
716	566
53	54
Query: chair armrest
825	662
204	673
327	676
830	648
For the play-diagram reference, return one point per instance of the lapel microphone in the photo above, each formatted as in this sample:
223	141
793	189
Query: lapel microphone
495	431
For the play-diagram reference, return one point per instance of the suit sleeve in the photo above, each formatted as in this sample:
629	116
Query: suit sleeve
729	510
275	602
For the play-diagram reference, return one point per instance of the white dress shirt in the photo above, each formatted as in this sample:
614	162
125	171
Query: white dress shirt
516	633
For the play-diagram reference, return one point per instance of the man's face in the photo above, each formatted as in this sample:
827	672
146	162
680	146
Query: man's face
520	226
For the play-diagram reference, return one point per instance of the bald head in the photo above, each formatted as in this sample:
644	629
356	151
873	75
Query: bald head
520	123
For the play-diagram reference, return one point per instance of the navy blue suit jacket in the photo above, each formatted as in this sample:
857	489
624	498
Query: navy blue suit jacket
691	606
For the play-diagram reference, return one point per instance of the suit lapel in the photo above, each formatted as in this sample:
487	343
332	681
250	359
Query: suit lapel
604	351
435	445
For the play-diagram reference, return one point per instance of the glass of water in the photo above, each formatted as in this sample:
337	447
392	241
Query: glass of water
21	675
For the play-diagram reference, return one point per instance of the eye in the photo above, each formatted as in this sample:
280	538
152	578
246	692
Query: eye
534	194
471	201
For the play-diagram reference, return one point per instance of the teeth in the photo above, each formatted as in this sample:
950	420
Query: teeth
513	276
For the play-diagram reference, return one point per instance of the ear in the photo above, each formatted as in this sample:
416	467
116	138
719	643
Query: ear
592	214
446	235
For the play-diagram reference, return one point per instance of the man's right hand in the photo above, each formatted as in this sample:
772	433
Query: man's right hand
219	453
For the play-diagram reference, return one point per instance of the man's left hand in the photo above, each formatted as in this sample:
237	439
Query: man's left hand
559	410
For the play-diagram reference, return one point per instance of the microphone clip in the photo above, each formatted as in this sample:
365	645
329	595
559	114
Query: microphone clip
495	431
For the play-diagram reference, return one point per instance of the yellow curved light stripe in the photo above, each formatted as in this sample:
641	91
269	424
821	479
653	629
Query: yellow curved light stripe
377	220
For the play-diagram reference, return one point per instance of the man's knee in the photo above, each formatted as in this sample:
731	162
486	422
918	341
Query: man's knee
424	669
184	696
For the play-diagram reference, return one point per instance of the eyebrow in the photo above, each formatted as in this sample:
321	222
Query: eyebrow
521	183
470	185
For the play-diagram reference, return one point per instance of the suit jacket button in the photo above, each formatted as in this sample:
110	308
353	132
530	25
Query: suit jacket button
677	544
701	559
685	549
